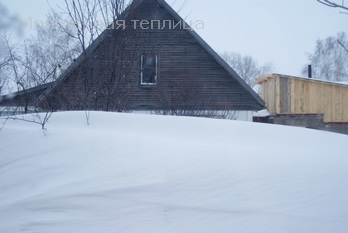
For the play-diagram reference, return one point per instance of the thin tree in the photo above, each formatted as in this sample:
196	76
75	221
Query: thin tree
330	58
4	63
27	69
246	66
48	53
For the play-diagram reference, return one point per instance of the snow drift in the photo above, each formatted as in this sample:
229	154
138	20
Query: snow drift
138	173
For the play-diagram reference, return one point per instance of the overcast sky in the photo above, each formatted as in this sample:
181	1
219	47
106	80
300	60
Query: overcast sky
278	31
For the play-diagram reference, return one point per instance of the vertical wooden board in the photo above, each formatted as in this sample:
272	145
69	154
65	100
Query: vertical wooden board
266	92
314	98
288	95
340	104
273	96
323	100
331	103
320	98
336	92
262	89
345	104
297	97
300	93
277	95
344	108
327	103
292	95
284	87
263	92
307	94
302	96
270	95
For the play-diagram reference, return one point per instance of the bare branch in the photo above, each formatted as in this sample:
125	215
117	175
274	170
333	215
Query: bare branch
344	47
332	4
37	119
3	123
246	66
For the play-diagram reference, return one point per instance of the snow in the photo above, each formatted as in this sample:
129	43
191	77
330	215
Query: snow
141	173
262	113
343	82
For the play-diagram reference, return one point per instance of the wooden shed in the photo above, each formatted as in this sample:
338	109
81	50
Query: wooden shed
152	60
287	95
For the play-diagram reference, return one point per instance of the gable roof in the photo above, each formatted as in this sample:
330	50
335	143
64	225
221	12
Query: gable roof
190	31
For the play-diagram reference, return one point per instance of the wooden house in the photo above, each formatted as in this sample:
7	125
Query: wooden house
305	102
150	59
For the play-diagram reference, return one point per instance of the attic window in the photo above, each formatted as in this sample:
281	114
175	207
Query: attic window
148	70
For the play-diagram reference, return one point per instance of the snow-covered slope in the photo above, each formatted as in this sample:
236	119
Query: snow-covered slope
137	173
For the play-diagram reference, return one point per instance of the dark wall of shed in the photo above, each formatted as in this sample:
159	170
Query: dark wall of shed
188	77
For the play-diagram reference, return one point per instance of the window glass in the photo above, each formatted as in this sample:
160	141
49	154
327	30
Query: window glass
148	70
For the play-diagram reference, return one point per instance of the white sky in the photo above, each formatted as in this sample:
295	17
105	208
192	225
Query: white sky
278	31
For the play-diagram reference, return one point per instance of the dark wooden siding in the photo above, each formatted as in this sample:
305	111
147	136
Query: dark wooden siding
188	76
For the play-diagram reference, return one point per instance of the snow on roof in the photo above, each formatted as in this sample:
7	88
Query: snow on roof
266	76
262	113
343	82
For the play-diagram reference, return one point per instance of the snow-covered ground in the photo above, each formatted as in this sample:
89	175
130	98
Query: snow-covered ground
153	174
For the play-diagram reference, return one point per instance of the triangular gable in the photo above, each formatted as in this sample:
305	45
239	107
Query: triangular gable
258	101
